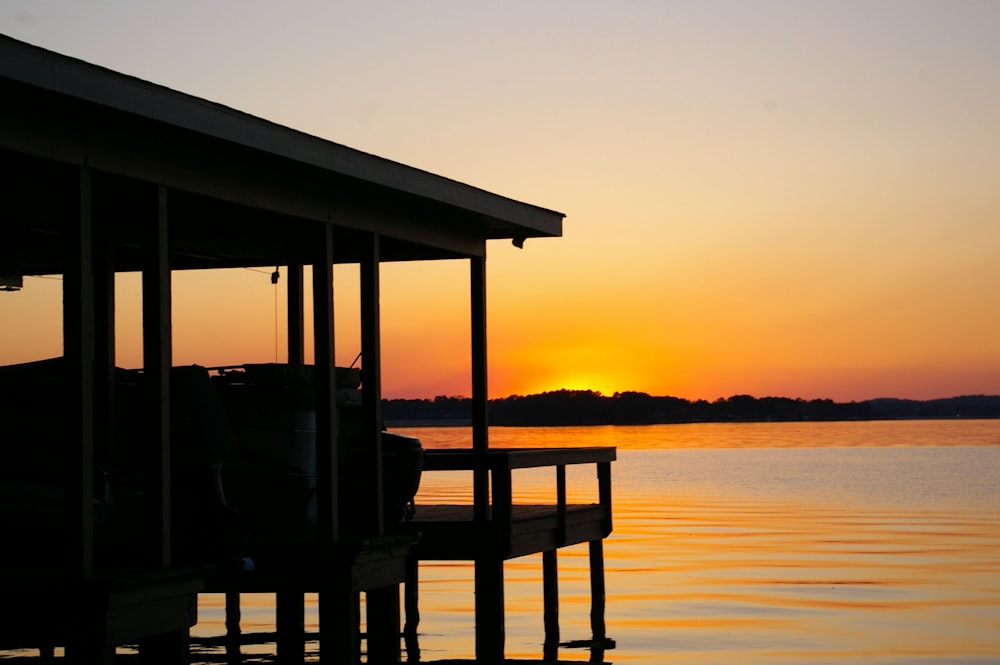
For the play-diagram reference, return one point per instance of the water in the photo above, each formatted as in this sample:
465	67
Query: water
868	542
819	556
765	543
859	542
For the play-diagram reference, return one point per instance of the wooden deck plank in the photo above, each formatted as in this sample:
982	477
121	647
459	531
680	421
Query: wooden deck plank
115	607
304	567
450	532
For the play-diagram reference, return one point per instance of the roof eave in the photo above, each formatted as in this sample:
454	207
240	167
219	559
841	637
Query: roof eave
70	76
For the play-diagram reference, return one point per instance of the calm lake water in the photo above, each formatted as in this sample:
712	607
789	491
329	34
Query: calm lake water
860	542
856	542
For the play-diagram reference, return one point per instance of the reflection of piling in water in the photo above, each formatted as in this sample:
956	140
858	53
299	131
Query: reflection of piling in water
104	175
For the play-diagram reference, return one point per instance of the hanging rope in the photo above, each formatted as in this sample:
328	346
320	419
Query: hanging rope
274	280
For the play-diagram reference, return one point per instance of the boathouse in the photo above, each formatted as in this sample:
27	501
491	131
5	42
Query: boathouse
111	521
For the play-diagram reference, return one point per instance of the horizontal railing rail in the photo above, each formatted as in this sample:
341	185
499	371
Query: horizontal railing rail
514	458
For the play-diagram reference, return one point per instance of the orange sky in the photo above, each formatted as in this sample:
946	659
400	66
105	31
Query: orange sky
772	198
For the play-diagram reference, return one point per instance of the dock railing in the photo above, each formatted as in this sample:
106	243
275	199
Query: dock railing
499	514
499	525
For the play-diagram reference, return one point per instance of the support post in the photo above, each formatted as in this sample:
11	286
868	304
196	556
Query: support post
339	618
597	591
290	624
328	525
382	603
296	315
490	628
372	521
502	517
336	613
78	349
561	503
167	649
550	600
383	624
93	651
604	492
105	382
157	359
411	599
234	655
480	402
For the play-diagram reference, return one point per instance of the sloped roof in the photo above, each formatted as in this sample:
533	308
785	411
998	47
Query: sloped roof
241	186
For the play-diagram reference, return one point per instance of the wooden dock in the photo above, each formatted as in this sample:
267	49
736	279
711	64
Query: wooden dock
105	174
489	533
456	532
338	573
150	609
504	531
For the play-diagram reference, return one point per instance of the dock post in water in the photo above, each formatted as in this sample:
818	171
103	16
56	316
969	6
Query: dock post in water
290	624
411	597
490	629
550	595
233	653
382	615
597	591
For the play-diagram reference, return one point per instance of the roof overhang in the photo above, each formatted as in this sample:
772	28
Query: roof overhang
242	188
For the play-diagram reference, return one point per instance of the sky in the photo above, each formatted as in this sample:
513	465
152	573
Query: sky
797	199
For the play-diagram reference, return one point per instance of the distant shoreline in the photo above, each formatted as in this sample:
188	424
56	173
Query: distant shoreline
584	407
430	422
415	423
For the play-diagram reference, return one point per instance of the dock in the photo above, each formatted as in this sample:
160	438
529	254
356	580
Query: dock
493	530
125	492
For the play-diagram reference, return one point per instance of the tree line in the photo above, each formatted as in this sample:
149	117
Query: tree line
588	407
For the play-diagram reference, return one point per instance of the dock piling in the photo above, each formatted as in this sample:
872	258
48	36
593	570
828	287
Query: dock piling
233	653
550	596
290	625
490	629
597	590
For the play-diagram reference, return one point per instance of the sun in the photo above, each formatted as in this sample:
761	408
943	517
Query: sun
604	383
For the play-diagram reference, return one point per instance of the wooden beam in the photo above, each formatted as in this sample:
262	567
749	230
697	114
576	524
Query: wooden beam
561	502
153	152
233	634
78	349
328	525
604	491
480	423
170	648
383	624
550	601
105	383
411	599
296	316
371	384
290	625
489	602
157	359
339	616
502	505
128	120
597	590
